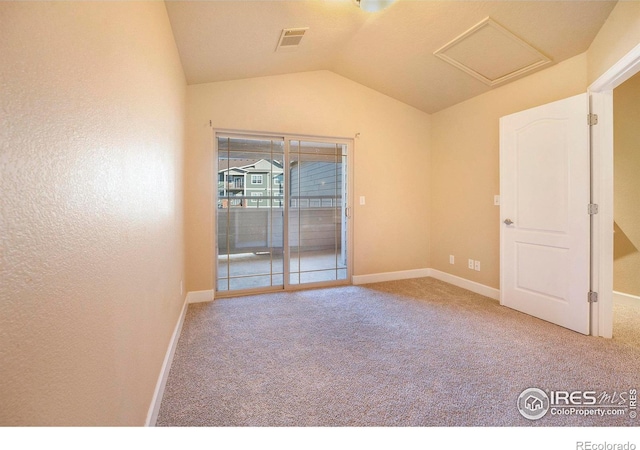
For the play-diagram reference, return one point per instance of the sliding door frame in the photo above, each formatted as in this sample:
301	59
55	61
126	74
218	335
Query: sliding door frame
347	210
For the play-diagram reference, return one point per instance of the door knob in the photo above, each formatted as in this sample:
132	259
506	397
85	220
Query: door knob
508	221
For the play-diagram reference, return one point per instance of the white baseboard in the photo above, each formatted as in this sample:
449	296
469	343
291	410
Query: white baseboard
466	284
207	296
438	275
154	408
621	296
390	276
200	296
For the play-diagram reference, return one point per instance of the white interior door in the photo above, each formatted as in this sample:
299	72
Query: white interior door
545	229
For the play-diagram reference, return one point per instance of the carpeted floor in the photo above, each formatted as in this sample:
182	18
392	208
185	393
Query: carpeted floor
404	353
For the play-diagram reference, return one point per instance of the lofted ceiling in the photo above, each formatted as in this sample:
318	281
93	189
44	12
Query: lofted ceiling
391	51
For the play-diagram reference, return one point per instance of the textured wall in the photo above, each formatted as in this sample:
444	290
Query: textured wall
391	161
465	162
626	156
91	149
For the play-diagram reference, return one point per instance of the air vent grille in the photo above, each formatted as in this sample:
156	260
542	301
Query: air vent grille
290	39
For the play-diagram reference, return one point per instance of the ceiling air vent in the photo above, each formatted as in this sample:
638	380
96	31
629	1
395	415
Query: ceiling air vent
290	39
491	53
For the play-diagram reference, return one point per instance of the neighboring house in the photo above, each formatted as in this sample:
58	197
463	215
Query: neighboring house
313	185
316	184
249	183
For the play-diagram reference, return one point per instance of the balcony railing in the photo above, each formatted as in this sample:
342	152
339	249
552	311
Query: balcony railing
252	230
230	185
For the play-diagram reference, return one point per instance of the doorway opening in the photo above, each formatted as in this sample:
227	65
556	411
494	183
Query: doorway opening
626	215
602	141
282	215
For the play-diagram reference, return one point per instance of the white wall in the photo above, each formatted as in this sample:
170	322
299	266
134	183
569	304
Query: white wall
91	242
465	161
391	161
619	34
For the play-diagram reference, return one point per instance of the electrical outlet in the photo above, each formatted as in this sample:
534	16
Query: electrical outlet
362	200
477	266
452	259
471	261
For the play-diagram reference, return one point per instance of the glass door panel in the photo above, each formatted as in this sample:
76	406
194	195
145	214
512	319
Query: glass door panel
317	212
249	213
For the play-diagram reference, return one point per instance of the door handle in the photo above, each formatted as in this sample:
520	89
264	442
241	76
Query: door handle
508	221
347	212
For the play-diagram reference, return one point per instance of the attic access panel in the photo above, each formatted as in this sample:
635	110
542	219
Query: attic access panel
491	53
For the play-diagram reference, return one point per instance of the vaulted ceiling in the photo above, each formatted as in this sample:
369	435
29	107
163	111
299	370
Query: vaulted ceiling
391	51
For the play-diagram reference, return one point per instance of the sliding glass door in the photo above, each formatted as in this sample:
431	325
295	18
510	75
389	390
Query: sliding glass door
282	216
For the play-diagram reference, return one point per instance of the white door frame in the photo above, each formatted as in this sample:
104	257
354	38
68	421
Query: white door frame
601	92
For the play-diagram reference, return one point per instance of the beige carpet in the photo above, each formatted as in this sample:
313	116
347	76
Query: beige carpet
404	353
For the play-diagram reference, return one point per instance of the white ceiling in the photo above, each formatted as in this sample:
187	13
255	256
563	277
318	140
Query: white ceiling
390	51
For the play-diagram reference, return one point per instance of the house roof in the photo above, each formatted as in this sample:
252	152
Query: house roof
391	51
238	164
243	165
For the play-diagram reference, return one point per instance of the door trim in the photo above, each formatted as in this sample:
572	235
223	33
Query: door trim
601	93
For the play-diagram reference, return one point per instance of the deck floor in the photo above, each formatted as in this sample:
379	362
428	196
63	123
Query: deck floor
251	271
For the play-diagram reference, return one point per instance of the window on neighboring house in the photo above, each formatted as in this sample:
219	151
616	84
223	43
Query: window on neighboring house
256	179
256	194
